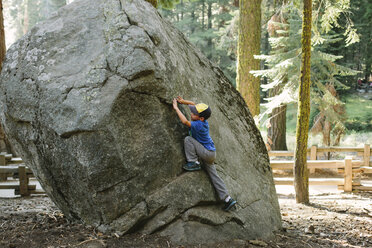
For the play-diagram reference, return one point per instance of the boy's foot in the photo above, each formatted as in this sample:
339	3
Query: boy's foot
192	166
228	205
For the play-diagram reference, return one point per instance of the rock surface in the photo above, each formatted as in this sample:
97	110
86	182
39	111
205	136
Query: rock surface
86	101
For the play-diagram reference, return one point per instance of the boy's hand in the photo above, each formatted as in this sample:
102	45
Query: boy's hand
175	106
180	100
179	113
183	101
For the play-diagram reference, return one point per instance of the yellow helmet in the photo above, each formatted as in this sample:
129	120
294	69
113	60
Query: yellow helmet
201	109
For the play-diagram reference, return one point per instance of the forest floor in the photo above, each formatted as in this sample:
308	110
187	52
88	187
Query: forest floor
331	220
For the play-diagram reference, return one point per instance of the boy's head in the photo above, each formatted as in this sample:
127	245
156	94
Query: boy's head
201	111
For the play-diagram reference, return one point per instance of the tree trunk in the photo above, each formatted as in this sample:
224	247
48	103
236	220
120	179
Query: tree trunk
203	13
248	46
193	21
301	181
368	61
327	127
181	9
276	133
209	14
3	147
153	2
4	143
2	36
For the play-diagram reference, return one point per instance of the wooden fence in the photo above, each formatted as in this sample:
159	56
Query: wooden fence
352	170
14	167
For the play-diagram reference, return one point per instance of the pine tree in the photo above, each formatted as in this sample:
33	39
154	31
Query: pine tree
248	46
330	117
358	55
187	16
301	177
284	68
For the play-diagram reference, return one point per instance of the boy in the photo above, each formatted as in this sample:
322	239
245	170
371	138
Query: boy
200	144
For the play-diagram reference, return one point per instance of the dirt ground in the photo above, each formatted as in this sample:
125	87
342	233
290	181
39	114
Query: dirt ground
332	220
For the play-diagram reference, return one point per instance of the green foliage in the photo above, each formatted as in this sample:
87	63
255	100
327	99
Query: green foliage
358	110
168	4
284	69
328	15
204	28
358	55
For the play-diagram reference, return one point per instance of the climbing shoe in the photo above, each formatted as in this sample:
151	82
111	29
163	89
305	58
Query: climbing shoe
192	166
228	205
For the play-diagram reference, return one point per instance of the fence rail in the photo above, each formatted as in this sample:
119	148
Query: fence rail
349	168
10	166
314	151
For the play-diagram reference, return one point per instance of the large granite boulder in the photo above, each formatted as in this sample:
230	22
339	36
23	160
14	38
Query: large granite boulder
86	99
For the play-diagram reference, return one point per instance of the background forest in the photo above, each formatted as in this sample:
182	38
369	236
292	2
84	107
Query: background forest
341	97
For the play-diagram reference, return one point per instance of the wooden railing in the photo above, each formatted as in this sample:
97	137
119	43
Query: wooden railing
349	168
14	167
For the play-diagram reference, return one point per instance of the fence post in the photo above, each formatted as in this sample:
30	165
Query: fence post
3	177
313	152
348	177
367	154
2	159
23	181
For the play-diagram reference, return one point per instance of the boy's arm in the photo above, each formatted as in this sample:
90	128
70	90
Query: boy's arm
180	115
183	101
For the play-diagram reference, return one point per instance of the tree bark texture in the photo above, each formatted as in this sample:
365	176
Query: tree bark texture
2	36
153	2
4	143
276	133
209	14
248	46
301	181
203	14
193	19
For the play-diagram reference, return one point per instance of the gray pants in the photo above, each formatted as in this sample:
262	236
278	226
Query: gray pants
193	150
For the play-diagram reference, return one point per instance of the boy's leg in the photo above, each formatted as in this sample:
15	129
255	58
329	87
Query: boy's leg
193	150
191	155
190	151
217	182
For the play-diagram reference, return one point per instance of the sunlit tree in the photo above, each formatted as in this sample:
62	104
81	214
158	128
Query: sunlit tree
301	176
249	40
